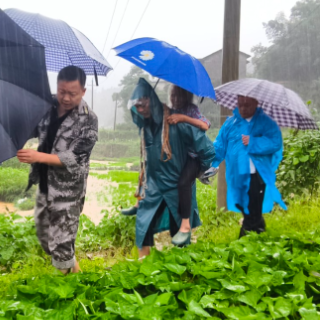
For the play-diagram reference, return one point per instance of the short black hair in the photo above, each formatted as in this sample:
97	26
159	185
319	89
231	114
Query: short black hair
72	73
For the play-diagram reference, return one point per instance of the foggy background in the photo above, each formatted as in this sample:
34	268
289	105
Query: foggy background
279	41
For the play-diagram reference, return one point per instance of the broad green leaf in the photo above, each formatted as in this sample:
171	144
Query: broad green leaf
304	158
65	291
299	281
163	299
176	268
232	286
309	314
283	307
208	301
198	310
236	312
250	298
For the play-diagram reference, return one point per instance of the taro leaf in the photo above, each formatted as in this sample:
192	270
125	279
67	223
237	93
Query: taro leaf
112	306
148	268
195	307
232	286
130	298
258	279
278	278
236	312
299	281
295	161
163	299
224	294
250	298
304	158
178	286
150	312
196	256
127	281
208	301
7	253
283	307
151	299
193	294
64	292
309	314
175	268
126	308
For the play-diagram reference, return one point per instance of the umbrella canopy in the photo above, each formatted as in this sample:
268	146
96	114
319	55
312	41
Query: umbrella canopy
167	62
24	88
280	103
63	44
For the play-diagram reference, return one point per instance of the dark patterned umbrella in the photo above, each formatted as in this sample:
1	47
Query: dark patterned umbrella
24	88
280	103
63	44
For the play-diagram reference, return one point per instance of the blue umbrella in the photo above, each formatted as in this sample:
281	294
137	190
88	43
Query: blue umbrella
167	62
63	44
24	87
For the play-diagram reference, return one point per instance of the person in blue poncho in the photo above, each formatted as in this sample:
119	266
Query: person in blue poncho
164	150
251	143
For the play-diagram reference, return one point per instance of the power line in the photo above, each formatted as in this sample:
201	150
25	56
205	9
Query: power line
144	11
114	10
114	39
137	26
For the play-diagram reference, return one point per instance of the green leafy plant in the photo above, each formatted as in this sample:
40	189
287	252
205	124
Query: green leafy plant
257	277
299	171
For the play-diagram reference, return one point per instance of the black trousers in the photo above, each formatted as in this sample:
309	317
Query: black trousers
254	221
187	178
149	237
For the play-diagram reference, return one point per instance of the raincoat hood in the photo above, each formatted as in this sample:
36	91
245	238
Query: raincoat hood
145	90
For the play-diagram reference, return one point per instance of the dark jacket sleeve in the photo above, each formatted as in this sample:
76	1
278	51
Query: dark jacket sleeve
80	149
197	140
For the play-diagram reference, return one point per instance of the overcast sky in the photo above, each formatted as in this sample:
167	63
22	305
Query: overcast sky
195	26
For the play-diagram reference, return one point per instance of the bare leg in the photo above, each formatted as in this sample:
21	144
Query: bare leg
185	225
145	251
75	269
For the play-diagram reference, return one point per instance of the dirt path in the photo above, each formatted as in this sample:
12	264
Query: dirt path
97	199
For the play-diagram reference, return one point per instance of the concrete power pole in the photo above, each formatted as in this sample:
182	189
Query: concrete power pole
230	72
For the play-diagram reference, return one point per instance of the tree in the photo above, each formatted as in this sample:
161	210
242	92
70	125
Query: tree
293	56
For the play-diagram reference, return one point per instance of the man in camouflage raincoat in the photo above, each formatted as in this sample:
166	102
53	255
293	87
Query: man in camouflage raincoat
67	134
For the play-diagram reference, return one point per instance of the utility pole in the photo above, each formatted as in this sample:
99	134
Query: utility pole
230	72
115	115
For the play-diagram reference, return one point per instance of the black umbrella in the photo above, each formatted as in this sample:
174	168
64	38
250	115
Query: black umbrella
24	88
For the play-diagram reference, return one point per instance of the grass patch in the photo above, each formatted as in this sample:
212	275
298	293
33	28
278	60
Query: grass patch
13	184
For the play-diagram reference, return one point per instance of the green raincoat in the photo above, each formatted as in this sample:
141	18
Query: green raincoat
163	177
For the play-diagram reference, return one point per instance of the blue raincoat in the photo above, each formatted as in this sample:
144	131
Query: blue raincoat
264	149
163	177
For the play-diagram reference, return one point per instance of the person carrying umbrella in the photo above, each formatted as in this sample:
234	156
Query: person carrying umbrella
251	143
67	134
165	151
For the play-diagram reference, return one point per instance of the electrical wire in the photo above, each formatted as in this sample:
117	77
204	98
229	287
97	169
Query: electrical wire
144	11
114	39
114	10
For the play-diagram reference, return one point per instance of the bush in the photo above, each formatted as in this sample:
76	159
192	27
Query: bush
299	170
